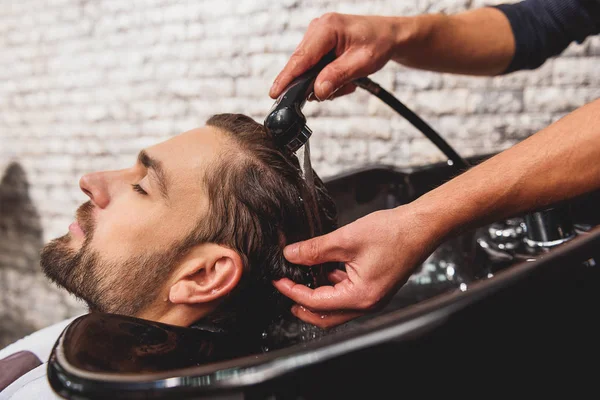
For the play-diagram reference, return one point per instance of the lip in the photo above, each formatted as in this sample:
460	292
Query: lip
75	229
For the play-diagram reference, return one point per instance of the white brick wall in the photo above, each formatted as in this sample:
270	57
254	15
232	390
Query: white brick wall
84	85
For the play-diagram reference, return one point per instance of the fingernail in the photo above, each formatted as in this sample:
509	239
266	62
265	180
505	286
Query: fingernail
326	88
290	251
330	97
295	309
274	87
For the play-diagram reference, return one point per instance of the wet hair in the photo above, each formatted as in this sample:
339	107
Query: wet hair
258	203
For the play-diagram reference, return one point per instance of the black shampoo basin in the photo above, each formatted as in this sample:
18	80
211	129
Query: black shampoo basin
464	320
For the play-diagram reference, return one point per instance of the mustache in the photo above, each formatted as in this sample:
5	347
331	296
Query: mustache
85	218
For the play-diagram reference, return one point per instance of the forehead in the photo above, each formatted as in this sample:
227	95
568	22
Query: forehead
186	157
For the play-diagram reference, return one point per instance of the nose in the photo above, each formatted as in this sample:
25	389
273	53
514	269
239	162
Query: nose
95	186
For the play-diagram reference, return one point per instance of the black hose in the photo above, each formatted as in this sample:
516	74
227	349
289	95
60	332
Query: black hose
414	119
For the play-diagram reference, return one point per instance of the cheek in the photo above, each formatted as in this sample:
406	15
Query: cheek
124	232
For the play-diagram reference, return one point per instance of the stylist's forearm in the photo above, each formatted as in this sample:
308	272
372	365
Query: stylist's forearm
475	42
555	164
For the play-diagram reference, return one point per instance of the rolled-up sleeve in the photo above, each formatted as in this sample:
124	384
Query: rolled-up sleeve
545	28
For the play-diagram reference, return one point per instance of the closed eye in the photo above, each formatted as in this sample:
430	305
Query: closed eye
139	189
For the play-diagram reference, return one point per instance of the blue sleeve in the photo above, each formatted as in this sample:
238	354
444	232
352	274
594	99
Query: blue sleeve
544	28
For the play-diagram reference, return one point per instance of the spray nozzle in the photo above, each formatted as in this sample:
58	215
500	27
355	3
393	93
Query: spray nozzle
285	120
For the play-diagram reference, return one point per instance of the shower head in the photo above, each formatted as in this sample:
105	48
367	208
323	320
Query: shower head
288	125
285	120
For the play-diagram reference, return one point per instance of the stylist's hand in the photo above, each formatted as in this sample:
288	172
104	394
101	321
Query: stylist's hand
380	251
363	45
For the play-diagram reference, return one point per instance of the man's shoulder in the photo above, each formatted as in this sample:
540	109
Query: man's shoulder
32	385
23	363
39	342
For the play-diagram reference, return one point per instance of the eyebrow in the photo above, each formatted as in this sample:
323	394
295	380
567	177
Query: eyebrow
156	166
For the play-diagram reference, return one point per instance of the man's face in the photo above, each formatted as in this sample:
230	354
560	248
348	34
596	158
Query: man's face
120	251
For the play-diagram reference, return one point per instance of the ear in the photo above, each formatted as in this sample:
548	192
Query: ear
208	273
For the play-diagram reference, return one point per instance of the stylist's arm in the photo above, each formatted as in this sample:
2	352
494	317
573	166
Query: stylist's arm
382	249
475	42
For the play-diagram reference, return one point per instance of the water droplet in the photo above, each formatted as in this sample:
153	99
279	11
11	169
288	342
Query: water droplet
463	287
264	335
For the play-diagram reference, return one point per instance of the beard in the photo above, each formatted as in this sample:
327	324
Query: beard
125	288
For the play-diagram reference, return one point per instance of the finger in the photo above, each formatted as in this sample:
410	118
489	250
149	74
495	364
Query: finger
324	320
344	90
318	250
337	275
322	299
342	70
317	42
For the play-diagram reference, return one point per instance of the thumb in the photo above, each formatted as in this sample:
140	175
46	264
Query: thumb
344	69
317	250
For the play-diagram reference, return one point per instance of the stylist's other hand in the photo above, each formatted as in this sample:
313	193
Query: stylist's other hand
380	252
363	45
